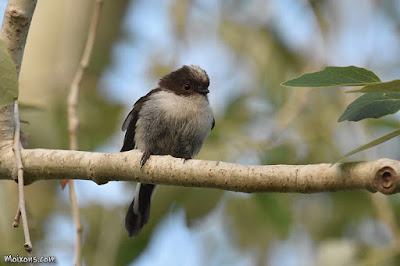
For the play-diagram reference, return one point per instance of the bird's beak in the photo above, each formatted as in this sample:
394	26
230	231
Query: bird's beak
203	91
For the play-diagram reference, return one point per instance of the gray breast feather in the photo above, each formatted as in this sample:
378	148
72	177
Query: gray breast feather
173	124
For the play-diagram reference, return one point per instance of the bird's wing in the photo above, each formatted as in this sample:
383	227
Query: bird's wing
130	126
130	122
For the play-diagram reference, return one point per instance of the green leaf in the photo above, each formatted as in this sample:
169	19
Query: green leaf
8	77
27	107
372	105
370	145
335	76
387	87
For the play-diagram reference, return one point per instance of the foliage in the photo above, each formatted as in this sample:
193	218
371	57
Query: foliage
381	98
334	76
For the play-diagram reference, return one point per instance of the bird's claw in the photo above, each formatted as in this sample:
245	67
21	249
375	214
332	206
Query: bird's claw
145	157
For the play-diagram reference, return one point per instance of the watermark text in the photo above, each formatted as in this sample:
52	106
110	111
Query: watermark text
23	259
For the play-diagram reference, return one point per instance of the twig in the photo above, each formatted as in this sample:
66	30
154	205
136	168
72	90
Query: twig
77	222
21	204
17	217
73	122
14	31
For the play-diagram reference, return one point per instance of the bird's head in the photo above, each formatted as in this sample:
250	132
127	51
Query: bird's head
186	81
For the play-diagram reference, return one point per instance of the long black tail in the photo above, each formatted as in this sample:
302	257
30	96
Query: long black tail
139	211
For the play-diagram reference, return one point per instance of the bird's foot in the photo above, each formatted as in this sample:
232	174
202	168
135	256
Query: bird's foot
145	157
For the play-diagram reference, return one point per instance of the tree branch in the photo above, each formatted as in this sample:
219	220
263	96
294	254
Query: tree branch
15	28
21	194
73	123
77	223
14	32
41	164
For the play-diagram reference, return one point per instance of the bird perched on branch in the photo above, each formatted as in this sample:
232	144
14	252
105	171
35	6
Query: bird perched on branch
173	119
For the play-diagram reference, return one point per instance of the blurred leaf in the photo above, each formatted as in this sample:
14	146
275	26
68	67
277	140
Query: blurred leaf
228	131
391	86
188	198
237	111
179	13
348	208
252	221
264	47
8	77
334	76
285	153
99	117
372	105
275	209
370	145
29	107
391	122
160	70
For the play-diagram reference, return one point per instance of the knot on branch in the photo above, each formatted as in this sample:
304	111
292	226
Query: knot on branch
28	247
15	13
387	180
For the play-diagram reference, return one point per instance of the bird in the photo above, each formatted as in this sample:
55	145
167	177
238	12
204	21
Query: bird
173	119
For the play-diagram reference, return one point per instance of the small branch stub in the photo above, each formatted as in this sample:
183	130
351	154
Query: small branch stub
387	180
28	247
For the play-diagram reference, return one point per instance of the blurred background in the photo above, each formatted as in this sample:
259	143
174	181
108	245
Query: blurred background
248	48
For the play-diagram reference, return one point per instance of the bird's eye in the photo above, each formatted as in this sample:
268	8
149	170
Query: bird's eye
187	86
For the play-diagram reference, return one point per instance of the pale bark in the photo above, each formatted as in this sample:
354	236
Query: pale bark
42	164
15	28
